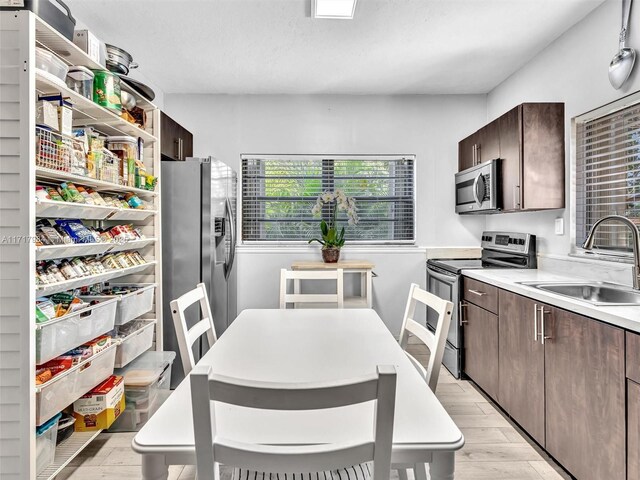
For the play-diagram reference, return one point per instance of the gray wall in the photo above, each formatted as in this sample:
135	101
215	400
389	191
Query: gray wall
227	126
573	70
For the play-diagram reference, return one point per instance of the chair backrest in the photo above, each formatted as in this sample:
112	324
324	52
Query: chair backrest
298	298
212	450
435	343
188	336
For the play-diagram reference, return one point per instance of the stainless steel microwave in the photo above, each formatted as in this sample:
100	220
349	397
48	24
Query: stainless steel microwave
478	188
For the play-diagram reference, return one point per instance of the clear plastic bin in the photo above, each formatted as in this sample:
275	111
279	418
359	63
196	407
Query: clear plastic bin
132	305
66	387
133	419
59	335
46	435
48	62
135	344
145	377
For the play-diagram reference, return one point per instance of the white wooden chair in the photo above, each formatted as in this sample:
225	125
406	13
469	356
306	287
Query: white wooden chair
311	299
434	342
188	336
211	450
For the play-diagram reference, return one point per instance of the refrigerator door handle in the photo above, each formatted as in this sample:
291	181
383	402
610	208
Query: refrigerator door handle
232	247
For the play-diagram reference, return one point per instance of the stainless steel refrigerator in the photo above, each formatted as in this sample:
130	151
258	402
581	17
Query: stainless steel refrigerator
198	244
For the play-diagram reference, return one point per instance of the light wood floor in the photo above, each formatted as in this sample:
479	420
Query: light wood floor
494	448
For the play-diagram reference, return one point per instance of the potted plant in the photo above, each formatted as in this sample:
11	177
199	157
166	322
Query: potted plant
333	239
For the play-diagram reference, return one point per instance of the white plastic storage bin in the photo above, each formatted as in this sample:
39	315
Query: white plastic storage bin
132	305
59	335
46	443
66	387
135	344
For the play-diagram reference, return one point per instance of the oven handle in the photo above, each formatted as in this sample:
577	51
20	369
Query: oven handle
450	279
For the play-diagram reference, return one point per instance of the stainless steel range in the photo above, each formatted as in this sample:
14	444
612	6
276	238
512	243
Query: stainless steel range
444	279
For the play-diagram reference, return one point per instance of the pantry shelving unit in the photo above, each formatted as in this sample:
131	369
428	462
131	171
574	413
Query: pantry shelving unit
20	84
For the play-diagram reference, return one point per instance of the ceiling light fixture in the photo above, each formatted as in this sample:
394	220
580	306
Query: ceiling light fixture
337	9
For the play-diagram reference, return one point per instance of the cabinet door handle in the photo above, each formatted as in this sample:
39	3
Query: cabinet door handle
542	335
479	154
177	149
516	196
181	149
476	292
462	305
535	322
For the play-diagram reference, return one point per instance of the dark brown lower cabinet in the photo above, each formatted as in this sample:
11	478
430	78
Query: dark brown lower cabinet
633	430
521	363
585	395
481	347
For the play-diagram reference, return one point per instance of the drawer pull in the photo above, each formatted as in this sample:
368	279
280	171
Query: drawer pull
476	292
462	305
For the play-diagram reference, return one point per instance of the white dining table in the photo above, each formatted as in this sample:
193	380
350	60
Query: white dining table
306	346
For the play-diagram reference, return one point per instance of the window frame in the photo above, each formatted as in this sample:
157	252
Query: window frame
369	157
615	106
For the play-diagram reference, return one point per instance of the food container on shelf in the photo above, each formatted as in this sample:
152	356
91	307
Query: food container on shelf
126	148
80	80
58	16
135	344
106	90
46	435
59	335
130	305
68	386
146	376
123	146
54	68
65	428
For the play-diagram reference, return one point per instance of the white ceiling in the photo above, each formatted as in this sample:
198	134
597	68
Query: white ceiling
275	47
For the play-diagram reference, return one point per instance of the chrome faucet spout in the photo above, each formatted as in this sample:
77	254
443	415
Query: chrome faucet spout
588	243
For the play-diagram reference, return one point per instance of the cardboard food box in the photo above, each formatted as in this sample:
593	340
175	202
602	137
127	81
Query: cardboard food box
64	112
99	408
47	114
91	45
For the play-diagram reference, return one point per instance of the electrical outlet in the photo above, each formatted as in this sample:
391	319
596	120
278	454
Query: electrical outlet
559	226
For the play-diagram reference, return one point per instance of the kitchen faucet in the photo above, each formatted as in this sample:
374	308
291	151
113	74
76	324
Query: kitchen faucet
588	243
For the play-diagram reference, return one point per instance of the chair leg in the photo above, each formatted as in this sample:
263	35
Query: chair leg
402	474
420	471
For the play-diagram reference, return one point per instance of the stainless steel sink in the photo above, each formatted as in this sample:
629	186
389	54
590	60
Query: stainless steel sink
596	293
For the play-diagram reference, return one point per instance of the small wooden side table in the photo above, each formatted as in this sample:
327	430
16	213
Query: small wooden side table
362	267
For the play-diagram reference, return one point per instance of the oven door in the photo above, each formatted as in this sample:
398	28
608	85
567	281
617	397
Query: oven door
446	286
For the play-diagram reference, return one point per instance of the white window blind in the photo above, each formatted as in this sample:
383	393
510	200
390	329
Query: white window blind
278	194
608	176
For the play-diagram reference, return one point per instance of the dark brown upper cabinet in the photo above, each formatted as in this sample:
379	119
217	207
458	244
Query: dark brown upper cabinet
176	141
530	141
480	147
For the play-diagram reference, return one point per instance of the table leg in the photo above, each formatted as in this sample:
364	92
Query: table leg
369	289
154	467
443	465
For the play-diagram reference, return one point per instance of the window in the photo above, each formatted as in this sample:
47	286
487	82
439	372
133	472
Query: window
278	193
608	176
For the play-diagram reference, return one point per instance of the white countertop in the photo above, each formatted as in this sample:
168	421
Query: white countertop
622	316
